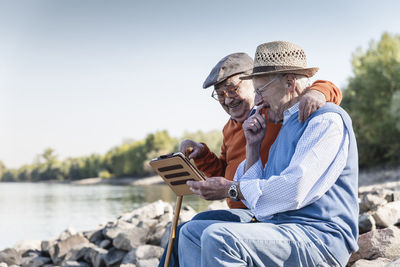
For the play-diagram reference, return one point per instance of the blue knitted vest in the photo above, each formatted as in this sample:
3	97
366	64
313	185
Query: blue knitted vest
334	217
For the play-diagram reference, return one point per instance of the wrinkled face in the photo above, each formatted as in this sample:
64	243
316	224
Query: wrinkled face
271	93
236	97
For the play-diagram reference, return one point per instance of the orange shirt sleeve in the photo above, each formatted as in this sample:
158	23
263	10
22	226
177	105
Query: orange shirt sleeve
210	164
332	92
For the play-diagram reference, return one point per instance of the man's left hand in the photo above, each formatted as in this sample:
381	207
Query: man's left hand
214	188
309	103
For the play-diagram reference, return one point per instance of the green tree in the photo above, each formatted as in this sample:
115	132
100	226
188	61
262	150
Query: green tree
373	101
213	139
2	169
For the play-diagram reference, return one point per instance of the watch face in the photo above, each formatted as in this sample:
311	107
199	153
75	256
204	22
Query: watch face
233	192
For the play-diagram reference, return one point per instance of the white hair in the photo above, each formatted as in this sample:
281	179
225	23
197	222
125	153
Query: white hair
302	81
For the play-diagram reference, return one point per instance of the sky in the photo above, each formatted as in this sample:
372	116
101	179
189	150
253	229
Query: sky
82	76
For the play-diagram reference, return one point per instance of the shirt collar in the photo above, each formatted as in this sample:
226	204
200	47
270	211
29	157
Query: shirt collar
290	111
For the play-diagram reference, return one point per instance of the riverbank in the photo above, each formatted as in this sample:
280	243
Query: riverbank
366	177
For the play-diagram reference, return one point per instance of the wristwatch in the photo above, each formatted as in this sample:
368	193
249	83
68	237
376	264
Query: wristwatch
234	192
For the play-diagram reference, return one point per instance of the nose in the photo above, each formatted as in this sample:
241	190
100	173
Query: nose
228	100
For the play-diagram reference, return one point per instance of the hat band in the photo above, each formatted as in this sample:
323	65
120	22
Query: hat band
272	68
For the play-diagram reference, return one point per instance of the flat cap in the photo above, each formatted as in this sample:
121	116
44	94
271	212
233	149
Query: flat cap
230	65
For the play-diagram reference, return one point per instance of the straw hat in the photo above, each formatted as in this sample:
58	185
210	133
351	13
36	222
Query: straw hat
280	57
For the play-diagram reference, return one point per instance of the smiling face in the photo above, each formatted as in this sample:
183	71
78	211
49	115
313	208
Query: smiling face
236	97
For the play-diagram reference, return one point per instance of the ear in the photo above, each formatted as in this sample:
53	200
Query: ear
290	82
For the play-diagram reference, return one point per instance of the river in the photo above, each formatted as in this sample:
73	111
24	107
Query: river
42	211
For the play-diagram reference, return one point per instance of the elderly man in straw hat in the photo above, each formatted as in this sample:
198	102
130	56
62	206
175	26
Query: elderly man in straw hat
304	200
236	97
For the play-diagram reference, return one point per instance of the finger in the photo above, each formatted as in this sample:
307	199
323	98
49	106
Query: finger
193	184
261	120
308	111
301	110
188	151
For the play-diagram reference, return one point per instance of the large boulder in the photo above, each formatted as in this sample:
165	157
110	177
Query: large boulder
61	248
186	214
366	223
112	230
144	252
371	202
25	245
86	252
384	243
114	257
130	238
387	215
150	211
10	256
35	261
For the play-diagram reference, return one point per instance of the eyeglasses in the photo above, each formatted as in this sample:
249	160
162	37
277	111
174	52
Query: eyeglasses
264	87
219	94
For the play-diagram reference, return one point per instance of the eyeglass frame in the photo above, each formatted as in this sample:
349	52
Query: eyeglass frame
231	92
263	88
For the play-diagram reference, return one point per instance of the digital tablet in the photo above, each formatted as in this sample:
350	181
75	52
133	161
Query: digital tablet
176	170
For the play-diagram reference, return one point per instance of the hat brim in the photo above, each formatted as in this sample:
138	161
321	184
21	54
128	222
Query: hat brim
309	72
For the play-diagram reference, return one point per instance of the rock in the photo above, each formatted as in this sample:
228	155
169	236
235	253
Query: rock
67	233
10	256
114	229
88	252
371	202
144	252
45	246
218	205
35	261
150	211
387	215
166	236
78	252
147	223
95	236
396	263
106	244
148	252
379	262
130	239
186	214
25	245
156	233
147	263
114	257
384	243
61	248
74	264
366	223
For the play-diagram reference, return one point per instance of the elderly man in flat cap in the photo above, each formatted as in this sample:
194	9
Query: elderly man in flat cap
237	98
304	200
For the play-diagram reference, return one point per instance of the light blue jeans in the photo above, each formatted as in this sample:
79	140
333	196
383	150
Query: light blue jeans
233	215
215	243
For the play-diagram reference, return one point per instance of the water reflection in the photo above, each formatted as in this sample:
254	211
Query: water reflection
43	211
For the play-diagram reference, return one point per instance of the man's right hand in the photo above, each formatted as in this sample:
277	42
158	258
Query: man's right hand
194	153
254	128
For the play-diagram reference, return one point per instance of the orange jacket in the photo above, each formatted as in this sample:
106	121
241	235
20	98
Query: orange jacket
233	149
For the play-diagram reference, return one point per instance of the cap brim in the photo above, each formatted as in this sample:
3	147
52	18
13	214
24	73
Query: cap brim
309	72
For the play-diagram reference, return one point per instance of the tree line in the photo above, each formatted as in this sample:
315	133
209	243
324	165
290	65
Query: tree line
372	98
129	159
